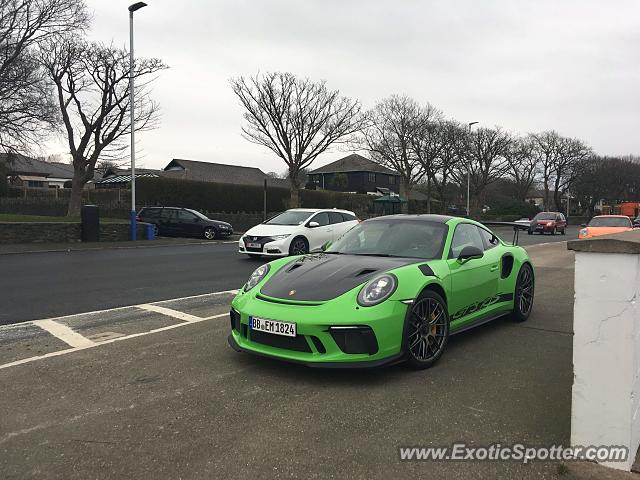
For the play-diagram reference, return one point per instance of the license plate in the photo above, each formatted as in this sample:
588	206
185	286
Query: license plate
254	245
276	327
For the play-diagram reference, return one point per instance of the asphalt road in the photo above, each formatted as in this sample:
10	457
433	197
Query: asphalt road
44	285
180	403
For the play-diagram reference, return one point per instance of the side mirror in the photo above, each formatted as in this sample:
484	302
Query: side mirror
583	225
325	245
313	224
469	253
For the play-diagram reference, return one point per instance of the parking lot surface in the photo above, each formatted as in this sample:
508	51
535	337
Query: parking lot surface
153	390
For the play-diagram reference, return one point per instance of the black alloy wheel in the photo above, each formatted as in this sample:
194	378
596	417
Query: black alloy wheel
525	289
427	330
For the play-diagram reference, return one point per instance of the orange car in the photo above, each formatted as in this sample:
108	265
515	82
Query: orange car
604	225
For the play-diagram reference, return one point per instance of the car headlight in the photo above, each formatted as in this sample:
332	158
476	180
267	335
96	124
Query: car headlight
257	275
583	232
279	237
377	290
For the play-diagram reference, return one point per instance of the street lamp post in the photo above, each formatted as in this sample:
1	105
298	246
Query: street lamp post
133	8
470	124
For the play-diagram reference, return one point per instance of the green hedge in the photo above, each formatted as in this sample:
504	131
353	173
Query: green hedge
212	197
4	186
223	197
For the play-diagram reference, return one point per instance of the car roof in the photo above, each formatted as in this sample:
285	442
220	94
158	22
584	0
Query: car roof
428	217
314	210
611	216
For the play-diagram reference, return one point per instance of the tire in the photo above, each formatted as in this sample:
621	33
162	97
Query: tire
299	246
525	287
564	231
426	336
210	233
156	230
530	232
553	232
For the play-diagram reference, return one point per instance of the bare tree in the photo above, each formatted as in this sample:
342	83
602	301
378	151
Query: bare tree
394	123
571	152
452	138
295	118
103	165
27	108
523	165
92	87
427	145
485	158
546	150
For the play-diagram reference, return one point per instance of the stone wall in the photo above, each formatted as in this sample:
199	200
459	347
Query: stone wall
41	232
54	232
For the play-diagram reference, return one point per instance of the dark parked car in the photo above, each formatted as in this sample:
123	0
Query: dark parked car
184	222
548	222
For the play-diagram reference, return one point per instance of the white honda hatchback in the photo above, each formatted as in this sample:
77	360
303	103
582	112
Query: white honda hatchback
296	232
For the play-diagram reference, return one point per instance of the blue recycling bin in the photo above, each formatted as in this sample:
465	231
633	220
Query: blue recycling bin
151	232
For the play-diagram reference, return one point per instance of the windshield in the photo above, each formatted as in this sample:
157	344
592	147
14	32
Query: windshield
394	238
290	217
545	216
197	214
610	222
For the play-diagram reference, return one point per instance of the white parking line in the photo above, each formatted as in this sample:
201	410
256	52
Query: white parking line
106	342
169	312
64	333
78	342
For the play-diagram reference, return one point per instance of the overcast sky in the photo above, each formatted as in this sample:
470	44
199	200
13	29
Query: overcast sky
573	66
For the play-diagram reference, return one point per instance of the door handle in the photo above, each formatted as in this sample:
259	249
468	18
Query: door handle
493	268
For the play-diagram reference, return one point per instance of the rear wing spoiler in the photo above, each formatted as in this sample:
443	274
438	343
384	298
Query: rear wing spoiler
516	228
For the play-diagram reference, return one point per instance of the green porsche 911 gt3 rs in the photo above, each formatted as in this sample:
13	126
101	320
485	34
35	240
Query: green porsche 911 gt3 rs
391	289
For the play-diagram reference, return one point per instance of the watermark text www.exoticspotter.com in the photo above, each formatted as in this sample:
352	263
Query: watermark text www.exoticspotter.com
518	452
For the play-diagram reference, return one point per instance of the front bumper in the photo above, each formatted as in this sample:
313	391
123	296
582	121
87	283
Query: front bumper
542	228
320	340
275	248
320	364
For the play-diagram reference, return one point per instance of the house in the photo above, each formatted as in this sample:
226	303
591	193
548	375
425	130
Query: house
30	172
355	173
220	173
115	177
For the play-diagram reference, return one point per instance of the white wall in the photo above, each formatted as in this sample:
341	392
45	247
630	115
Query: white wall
606	352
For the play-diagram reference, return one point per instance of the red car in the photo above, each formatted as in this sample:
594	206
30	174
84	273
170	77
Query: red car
548	222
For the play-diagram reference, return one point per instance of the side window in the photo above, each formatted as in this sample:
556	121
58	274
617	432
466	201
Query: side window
322	218
168	214
348	217
490	240
335	217
186	216
465	235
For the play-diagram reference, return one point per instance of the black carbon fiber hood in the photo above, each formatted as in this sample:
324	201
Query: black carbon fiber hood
322	276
